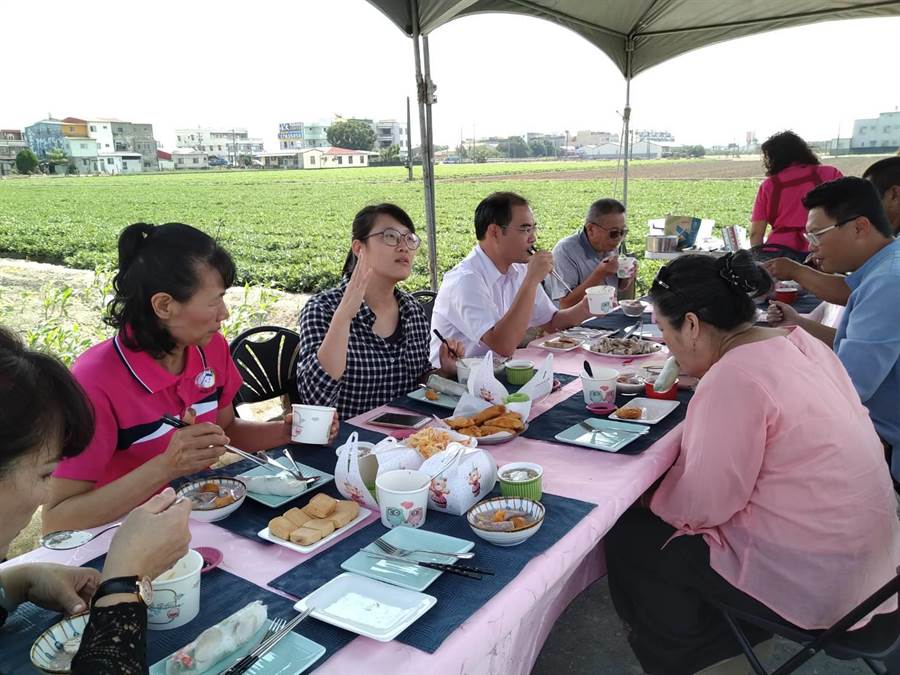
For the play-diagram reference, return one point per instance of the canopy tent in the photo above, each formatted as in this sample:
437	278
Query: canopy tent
635	34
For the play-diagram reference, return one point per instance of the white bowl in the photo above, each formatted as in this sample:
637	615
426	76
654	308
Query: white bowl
516	537
625	387
212	515
632	308
47	652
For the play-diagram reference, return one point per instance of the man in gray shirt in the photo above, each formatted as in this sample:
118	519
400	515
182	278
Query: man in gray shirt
590	257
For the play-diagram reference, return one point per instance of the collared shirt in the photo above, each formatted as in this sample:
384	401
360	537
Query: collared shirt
130	391
574	259
378	369
782	474
868	341
474	296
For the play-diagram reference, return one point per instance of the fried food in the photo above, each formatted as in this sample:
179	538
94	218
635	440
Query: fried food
629	413
509	421
500	422
488	413
209	487
458	422
301	527
431	395
429	441
321	506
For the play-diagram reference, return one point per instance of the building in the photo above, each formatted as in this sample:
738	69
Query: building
12	142
165	161
120	162
74	127
391	132
136	137
101	131
558	141
315	158
315	134
190	158
640	150
228	144
877	135
44	136
653	135
584	137
83	154
290	135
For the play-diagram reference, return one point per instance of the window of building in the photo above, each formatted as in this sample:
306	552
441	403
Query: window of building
340	160
93	128
181	160
196	160
120	130
109	160
83	146
350	158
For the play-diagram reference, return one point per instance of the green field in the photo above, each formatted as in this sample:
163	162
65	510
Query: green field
290	229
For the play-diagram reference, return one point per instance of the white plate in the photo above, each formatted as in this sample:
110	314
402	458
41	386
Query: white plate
264	534
543	344
412	603
654	409
662	350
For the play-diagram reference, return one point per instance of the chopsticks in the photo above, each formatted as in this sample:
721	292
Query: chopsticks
248	661
459	570
532	251
181	424
440	337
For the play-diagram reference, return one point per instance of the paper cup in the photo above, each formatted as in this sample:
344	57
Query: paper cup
312	424
626	266
176	594
403	497
602	387
601	299
530	488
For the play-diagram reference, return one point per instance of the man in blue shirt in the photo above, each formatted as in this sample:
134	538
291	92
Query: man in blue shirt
848	231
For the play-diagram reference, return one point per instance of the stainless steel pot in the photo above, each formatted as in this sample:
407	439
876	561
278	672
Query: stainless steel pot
662	243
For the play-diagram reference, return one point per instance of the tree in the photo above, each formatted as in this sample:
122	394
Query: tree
515	146
26	161
390	153
462	151
695	151
57	156
481	153
351	134
537	147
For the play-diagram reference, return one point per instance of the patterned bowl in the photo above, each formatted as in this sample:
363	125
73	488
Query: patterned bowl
510	537
211	515
52	652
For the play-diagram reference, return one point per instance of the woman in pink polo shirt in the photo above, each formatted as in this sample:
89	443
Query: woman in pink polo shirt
793	170
168	357
779	503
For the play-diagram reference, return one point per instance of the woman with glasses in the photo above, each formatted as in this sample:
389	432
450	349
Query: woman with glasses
365	342
779	502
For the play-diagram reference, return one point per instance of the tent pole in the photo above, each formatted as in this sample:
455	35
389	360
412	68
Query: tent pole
629	49
431	215
423	96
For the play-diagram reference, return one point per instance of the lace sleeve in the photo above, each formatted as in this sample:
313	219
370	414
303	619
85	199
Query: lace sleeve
114	642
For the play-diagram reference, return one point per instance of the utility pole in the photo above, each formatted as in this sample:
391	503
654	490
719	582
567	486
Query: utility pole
409	159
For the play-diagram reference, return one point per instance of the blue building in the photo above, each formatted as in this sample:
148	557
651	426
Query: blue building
44	136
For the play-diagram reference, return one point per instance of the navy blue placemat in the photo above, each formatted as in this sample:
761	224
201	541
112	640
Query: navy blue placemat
614	321
563	415
457	597
423	408
221	594
248	520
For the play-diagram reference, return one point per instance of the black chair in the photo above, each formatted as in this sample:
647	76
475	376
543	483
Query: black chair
764	252
267	363
426	299
877	643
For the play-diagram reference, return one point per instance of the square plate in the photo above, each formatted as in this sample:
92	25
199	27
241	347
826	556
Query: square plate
264	534
443	401
625	432
408	576
293	654
654	409
278	500
362	597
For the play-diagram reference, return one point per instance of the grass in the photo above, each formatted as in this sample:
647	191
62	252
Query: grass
290	229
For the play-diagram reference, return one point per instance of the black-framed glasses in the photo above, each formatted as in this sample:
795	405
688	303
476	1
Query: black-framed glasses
393	238
815	238
615	232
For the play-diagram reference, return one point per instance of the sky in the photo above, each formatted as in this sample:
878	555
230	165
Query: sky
238	64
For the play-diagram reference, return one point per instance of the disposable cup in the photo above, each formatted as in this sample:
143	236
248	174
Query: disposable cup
626	266
601	299
601	388
311	424
176	594
403	497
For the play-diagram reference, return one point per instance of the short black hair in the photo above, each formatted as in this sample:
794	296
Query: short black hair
719	291
884	174
496	208
603	207
42	402
849	197
781	150
364	221
159	259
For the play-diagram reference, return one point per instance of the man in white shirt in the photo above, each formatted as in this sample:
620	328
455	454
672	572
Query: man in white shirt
491	298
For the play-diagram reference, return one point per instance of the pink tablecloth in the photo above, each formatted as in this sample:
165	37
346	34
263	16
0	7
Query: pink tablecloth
505	636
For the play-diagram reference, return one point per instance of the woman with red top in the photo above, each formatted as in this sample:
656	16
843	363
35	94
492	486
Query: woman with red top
168	358
793	170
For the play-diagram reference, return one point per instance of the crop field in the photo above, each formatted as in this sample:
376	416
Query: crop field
291	229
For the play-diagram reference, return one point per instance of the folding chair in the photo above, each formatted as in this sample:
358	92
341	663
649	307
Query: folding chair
267	364
426	298
877	643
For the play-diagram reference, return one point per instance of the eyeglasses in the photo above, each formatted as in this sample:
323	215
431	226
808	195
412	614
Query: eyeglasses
615	233
527	229
815	238
393	238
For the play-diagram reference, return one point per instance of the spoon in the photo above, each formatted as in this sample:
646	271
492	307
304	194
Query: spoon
63	540
587	369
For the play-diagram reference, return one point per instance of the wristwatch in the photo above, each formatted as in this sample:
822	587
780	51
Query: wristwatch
140	586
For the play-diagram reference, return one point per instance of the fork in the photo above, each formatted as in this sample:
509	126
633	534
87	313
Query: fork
403	552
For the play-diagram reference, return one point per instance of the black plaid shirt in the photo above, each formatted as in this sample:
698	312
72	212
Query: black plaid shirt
377	372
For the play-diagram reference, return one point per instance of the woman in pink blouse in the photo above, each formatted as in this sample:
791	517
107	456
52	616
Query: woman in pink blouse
779	502
792	170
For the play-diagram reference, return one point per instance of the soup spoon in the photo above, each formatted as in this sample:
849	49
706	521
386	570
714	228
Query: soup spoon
63	540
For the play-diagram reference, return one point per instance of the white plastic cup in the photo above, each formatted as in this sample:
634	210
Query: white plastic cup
626	266
601	388
403	497
601	299
176	594
311	423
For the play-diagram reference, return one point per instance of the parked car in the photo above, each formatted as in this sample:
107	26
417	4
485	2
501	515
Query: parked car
218	161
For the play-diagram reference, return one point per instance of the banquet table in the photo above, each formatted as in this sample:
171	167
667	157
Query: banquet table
506	634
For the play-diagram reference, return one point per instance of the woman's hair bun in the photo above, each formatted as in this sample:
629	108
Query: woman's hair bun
741	271
131	241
